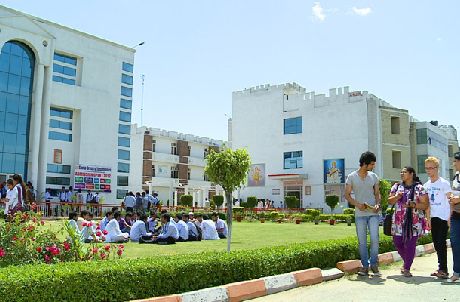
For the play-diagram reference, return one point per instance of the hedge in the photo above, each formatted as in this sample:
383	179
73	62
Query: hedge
186	200
128	279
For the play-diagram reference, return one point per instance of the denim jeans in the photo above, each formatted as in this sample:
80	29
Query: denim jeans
455	242
363	224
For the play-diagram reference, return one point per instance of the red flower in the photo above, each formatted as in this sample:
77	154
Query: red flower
103	255
98	233
55	251
30	228
105	232
119	252
98	227
89	224
66	246
47	259
2	252
42	222
95	250
15	238
107	247
121	247
39	249
34	220
84	223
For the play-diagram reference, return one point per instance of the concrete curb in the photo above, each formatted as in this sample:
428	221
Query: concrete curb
239	291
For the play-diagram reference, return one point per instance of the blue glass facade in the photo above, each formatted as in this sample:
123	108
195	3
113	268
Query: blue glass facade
64	69
17	64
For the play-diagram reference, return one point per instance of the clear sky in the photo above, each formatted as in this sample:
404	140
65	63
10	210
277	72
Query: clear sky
197	52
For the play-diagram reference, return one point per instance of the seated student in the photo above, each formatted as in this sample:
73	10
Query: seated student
81	219
208	228
126	223
73	217
191	216
168	234
138	230
152	222
193	234
105	220
182	228
198	220
93	223
221	226
114	234
87	232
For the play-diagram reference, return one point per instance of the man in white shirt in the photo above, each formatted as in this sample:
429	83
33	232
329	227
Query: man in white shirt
168	235
11	196
208	227
193	234
114	233
152	222
129	202
182	228
106	220
438	214
138	230
221	226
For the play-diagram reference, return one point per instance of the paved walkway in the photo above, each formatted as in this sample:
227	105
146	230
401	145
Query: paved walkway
390	287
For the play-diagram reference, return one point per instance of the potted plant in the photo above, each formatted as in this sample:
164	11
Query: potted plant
262	217
349	220
332	201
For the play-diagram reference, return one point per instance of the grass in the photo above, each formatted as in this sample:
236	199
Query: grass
246	235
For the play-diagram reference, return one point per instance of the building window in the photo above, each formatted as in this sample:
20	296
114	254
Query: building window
153	145
126	104
58	136
126	79
189	172
395	125
127	67
62	181
293	125
189	150
64	69
307	190
124	129
421	163
123	168
123	142
174	172
125	91
450	150
123	154
174	148
61	169
125	116
63	113
121	194
17	63
396	156
122	181
421	136
153	170
60	124
293	160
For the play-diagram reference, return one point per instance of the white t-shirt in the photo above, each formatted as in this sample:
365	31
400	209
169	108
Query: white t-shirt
11	197
209	230
437	194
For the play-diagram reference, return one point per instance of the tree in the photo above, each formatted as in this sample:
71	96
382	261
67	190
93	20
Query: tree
229	170
186	200
385	187
332	201
292	202
218	200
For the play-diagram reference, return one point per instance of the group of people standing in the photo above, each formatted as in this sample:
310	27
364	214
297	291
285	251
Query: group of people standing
418	209
14	198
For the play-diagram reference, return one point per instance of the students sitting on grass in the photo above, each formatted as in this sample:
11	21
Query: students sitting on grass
168	235
208	228
182	228
193	233
152	222
221	226
126	223
105	220
73	217
87	232
197	220
114	234
138	230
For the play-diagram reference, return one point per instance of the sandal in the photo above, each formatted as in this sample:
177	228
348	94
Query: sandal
434	274
407	273
442	275
453	278
402	270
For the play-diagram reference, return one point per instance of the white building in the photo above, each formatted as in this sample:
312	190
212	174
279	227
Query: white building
65	106
171	164
304	144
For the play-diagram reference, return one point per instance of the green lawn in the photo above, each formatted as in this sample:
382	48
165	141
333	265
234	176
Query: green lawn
246	235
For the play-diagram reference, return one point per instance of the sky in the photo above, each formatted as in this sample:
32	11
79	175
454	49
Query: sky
197	52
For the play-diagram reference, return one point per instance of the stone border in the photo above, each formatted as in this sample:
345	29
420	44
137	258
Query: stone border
251	289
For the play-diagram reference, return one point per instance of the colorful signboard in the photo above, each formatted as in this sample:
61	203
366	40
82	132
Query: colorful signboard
256	175
94	178
334	171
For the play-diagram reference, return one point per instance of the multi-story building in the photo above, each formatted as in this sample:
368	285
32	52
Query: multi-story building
171	164
304	144
452	147
65	105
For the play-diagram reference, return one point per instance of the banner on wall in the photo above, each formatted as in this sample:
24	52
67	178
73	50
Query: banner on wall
334	171
256	175
94	178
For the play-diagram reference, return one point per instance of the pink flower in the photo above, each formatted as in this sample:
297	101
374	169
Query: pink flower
39	249
47	259
121	247
84	223
2	252
95	250
98	233
15	238
107	247
55	251
103	256
105	232
98	227
42	222
89	224
66	246
119	252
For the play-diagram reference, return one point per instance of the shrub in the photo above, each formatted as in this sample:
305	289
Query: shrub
292	202
385	187
341	217
349	211
332	201
313	212
186	200
274	215
251	202
218	200
150	277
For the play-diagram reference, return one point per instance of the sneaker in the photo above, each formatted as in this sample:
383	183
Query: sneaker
375	270
363	271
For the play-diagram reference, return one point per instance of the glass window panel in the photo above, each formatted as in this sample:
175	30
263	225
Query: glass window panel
1	144
3	81
4	62
58	136
2	121
24	105
8	163
62	169
70	71
16	49
127	67
122	181
11	122
21	144
22	124
62	181
20	163
9	142
121	194
15	65
125	116
25	86
3	98
6	48
126	91
123	141
124	129
14	82
57	79
127	79
123	154
26	68
122	167
70	60
61	113
68	81
58	68
126	104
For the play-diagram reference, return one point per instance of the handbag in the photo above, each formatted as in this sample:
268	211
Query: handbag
388	222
